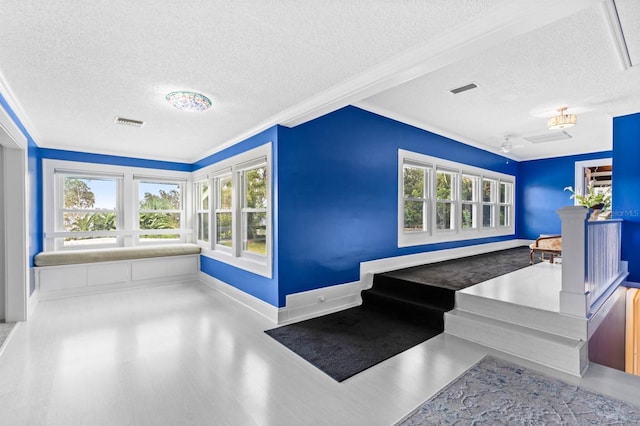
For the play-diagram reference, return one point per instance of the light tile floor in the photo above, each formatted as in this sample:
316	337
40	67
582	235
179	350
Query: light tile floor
183	354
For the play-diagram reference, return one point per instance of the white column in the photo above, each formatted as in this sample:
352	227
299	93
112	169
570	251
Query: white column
573	296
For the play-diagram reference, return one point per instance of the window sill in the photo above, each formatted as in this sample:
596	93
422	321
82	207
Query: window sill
245	263
423	238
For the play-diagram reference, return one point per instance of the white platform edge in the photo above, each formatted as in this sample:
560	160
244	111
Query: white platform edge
367	269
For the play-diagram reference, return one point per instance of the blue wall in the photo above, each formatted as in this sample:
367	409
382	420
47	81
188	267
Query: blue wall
261	287
540	192
338	194
626	178
85	157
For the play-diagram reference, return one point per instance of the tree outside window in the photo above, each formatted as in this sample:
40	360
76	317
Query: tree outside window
160	208
254	210
415	198
445	196
89	206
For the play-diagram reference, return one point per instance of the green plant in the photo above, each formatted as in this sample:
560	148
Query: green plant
592	197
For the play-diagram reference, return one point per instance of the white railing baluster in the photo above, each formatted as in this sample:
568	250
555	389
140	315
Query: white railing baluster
603	258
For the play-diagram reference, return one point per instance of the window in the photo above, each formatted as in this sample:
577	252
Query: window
88	210
223	210
445	199
254	210
416	199
488	202
240	210
90	205
440	200
469	201
505	202
160	210
202	210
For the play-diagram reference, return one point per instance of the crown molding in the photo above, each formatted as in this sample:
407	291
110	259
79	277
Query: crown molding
433	129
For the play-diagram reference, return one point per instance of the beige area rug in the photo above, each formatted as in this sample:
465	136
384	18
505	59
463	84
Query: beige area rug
496	392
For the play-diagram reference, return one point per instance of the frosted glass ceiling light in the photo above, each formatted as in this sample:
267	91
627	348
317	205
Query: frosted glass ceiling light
188	101
562	121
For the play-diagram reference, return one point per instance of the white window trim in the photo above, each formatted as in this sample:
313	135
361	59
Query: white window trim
431	235
197	209
260	265
128	233
214	210
184	185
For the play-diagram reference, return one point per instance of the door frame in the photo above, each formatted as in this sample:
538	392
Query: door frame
15	224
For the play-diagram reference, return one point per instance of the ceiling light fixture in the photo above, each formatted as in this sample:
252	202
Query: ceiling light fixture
562	121
188	101
506	146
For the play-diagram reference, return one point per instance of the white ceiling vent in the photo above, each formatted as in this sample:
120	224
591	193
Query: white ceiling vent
548	137
463	88
128	122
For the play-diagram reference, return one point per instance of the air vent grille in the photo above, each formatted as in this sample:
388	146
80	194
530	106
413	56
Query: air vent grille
463	88
548	137
128	122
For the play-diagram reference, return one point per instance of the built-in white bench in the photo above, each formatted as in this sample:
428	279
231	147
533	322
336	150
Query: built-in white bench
66	273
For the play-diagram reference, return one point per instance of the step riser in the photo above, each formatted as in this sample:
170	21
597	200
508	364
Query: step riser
504	337
413	291
430	316
549	322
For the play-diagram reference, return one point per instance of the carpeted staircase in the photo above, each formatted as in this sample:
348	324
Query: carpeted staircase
402	309
422	294
415	302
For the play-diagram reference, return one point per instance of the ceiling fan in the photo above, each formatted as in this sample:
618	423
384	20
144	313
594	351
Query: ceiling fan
507	146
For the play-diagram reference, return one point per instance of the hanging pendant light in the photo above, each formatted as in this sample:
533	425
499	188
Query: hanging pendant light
562	121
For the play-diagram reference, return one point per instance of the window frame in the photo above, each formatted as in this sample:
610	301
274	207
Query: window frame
215	209
200	210
431	234
243	209
426	195
182	184
234	255
474	202
127	232
59	177
452	201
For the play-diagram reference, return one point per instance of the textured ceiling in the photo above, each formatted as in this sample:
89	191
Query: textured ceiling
69	68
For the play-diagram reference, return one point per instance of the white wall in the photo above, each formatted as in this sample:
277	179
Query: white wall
3	287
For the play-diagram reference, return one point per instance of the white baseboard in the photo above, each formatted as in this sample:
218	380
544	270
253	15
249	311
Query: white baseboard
299	306
32	302
260	306
367	269
321	301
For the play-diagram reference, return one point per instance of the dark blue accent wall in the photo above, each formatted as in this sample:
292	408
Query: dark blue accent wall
261	287
626	181
338	186
540	192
